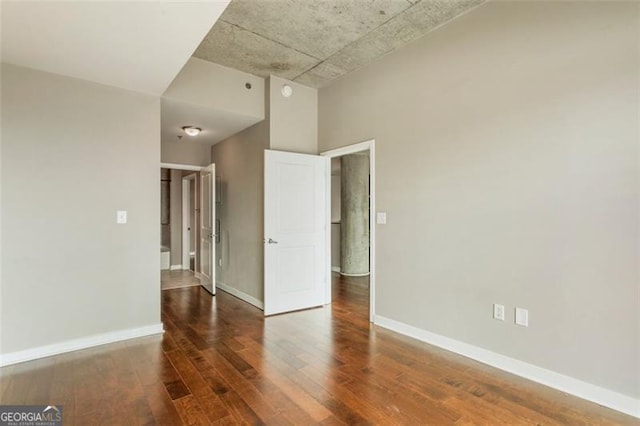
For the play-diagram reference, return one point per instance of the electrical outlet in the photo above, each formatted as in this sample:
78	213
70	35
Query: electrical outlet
522	317
121	216
498	312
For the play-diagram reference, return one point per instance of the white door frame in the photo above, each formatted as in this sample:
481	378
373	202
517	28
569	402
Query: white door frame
176	166
339	152
210	278
187	181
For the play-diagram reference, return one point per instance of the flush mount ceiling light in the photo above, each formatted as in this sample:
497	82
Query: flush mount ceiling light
191	131
286	90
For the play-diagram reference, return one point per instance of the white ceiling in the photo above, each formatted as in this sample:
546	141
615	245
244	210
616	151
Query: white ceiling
138	46
216	124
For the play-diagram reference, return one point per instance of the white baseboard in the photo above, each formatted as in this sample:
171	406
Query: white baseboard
77	344
240	295
165	260
176	267
588	391
355	275
335	268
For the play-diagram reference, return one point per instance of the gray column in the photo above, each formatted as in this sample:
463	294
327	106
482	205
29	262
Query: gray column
354	241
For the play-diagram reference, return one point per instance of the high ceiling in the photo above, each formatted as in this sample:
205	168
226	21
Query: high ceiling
316	41
139	46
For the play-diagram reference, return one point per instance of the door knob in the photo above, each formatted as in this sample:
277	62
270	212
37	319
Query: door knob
271	241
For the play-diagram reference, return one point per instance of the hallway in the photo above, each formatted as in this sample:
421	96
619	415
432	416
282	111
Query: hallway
220	361
178	279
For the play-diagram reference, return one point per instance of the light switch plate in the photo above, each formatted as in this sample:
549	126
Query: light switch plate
498	312
121	216
522	317
381	218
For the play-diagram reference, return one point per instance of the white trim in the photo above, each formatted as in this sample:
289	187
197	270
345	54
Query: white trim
240	295
588	391
177	166
366	274
370	146
349	149
335	269
175	268
165	260
78	344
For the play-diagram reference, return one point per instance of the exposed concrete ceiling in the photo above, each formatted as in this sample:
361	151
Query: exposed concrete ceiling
138	46
314	42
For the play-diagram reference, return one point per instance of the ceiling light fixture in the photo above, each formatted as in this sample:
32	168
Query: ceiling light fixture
191	131
286	90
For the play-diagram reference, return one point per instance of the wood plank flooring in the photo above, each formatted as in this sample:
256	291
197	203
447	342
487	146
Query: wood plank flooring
177	279
221	362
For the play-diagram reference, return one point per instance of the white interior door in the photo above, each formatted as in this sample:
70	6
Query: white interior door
207	228
295	212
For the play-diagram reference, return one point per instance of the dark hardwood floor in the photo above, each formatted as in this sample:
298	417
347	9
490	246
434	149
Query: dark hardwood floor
221	362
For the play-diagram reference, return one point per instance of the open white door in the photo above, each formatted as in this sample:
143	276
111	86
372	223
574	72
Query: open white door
295	211
207	228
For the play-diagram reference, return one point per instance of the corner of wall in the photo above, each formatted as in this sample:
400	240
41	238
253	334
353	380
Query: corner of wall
293	120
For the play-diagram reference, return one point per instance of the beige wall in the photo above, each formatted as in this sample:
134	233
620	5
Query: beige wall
507	161
74	152
182	153
293	121
240	164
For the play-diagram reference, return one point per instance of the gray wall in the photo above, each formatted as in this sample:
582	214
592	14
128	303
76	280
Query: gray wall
293	121
240	163
73	153
193	223
175	201
507	161
335	214
185	153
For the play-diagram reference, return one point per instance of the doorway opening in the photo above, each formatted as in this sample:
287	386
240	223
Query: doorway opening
189	222
179	216
351	211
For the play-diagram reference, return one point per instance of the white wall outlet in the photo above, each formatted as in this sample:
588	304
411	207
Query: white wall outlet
121	216
498	312
522	317
381	218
